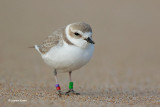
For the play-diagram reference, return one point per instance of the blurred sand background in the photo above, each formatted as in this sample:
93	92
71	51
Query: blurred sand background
125	68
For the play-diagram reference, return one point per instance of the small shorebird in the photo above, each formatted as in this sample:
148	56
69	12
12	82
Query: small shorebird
67	49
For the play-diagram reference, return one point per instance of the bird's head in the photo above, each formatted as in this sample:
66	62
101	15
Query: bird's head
79	34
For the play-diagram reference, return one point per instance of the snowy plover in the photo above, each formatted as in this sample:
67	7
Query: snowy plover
67	49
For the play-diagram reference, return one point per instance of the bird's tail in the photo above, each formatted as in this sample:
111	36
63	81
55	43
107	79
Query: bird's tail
36	47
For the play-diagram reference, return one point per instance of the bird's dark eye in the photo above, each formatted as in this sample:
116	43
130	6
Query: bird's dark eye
77	34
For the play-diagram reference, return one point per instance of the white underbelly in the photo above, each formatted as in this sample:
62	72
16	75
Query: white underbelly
68	57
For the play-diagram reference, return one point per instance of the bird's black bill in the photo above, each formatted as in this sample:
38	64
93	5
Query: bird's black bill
89	40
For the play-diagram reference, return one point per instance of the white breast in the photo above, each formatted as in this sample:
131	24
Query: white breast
68	57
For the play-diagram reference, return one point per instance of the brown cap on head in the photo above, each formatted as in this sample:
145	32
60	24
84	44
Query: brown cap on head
84	27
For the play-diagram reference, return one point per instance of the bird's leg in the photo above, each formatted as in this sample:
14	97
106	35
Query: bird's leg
58	88
71	91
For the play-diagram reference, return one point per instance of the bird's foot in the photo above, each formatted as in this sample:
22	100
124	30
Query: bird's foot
71	91
60	93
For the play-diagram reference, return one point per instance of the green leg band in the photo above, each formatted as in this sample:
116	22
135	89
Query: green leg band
70	85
